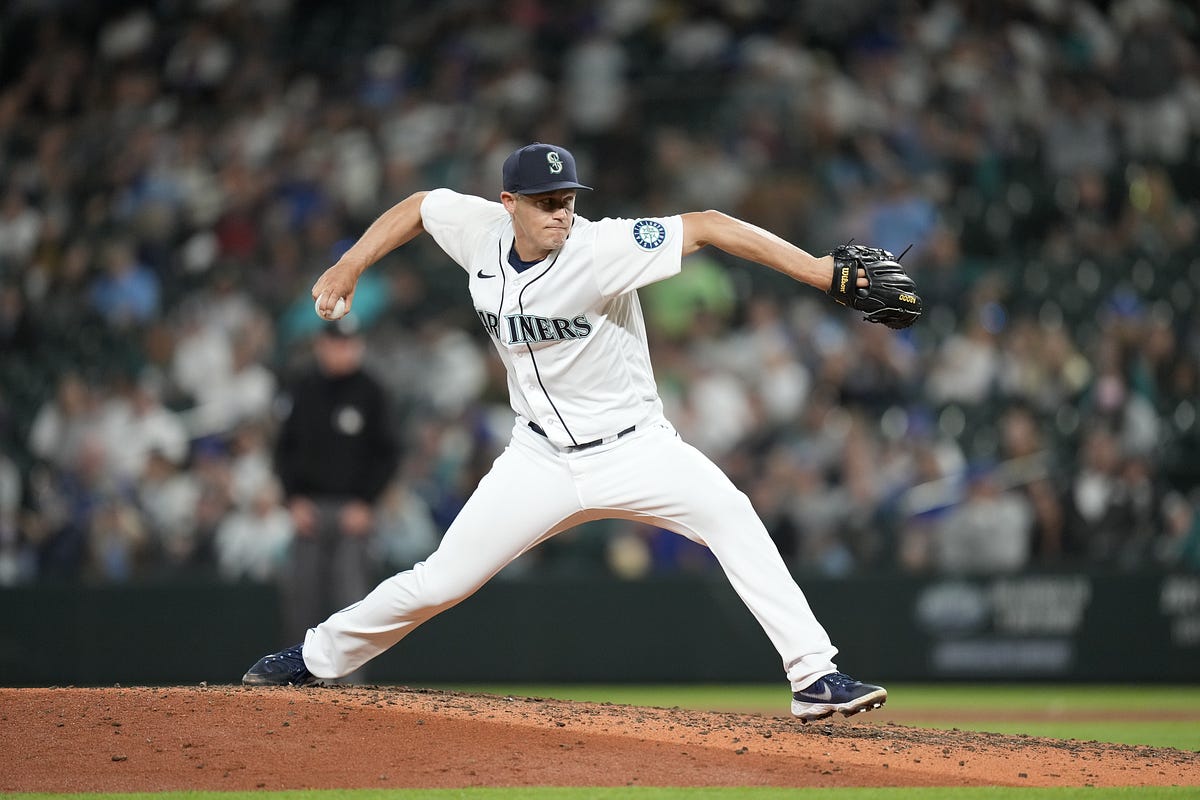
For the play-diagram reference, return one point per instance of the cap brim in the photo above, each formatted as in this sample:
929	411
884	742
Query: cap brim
549	187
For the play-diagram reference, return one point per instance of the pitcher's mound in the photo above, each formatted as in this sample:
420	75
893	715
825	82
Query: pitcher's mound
234	738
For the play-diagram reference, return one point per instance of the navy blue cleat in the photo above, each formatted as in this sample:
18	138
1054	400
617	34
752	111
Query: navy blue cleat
285	668
836	692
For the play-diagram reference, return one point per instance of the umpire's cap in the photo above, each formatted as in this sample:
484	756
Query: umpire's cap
539	167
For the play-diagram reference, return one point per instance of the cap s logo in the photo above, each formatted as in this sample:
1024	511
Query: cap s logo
555	162
649	234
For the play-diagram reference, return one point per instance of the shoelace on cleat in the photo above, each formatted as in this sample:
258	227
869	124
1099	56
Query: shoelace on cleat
840	680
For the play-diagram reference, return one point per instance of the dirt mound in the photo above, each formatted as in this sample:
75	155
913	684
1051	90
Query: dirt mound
230	738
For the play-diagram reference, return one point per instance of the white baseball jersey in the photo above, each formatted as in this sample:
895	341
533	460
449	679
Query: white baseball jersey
570	332
569	329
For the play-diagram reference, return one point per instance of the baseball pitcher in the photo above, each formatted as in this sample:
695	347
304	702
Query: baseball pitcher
557	295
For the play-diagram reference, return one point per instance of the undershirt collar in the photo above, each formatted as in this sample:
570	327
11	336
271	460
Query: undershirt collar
516	263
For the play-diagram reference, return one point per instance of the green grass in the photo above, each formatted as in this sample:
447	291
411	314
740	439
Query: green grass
654	793
1041	697
964	706
1179	735
774	697
942	707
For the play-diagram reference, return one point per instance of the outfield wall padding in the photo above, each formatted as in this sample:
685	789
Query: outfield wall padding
1048	627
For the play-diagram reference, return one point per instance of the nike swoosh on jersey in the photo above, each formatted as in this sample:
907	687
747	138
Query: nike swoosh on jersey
482	274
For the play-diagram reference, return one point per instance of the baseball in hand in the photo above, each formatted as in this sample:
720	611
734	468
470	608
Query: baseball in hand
339	308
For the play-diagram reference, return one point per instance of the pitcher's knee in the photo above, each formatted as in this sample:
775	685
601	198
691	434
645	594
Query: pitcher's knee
425	588
731	507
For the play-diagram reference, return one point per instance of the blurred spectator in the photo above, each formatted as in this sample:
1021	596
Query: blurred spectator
18	332
16	557
117	539
922	507
20	226
243	395
456	370
226	305
86	525
1093	217
1042	367
988	532
1030	468
705	288
967	365
335	454
1179	544
1153	363
211	468
594	91
772	497
133	422
821	510
719	412
1147	73
765	357
127	292
1112	401
63	422
252	541
200	60
1078	136
168	496
406	530
1156	219
900	216
203	355
251	468
1093	528
872	369
1137	506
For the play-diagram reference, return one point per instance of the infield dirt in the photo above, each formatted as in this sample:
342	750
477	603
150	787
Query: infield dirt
140	739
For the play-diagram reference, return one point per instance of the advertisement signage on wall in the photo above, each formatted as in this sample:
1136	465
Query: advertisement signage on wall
1060	626
1023	625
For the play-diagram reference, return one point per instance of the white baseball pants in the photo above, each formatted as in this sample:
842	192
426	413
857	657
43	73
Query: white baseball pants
535	490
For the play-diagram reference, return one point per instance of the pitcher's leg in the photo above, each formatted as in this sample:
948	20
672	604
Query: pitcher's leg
679	486
759	575
522	499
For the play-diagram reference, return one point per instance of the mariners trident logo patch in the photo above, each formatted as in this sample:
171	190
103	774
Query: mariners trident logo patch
649	234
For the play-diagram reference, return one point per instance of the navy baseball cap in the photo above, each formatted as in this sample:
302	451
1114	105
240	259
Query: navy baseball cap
539	167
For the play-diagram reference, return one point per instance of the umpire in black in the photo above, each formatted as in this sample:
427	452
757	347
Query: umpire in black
335	453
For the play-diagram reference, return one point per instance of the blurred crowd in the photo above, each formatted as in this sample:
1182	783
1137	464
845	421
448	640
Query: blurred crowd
175	175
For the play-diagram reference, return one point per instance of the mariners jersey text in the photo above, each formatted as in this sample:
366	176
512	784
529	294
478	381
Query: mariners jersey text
529	329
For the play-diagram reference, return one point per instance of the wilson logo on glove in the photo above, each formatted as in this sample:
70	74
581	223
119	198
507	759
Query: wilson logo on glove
845	279
890	296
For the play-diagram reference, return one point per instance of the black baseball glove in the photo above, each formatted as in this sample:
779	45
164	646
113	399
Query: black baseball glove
890	296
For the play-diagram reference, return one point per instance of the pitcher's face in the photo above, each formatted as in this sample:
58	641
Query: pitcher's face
541	222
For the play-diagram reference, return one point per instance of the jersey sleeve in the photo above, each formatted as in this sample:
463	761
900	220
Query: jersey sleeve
459	222
631	253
